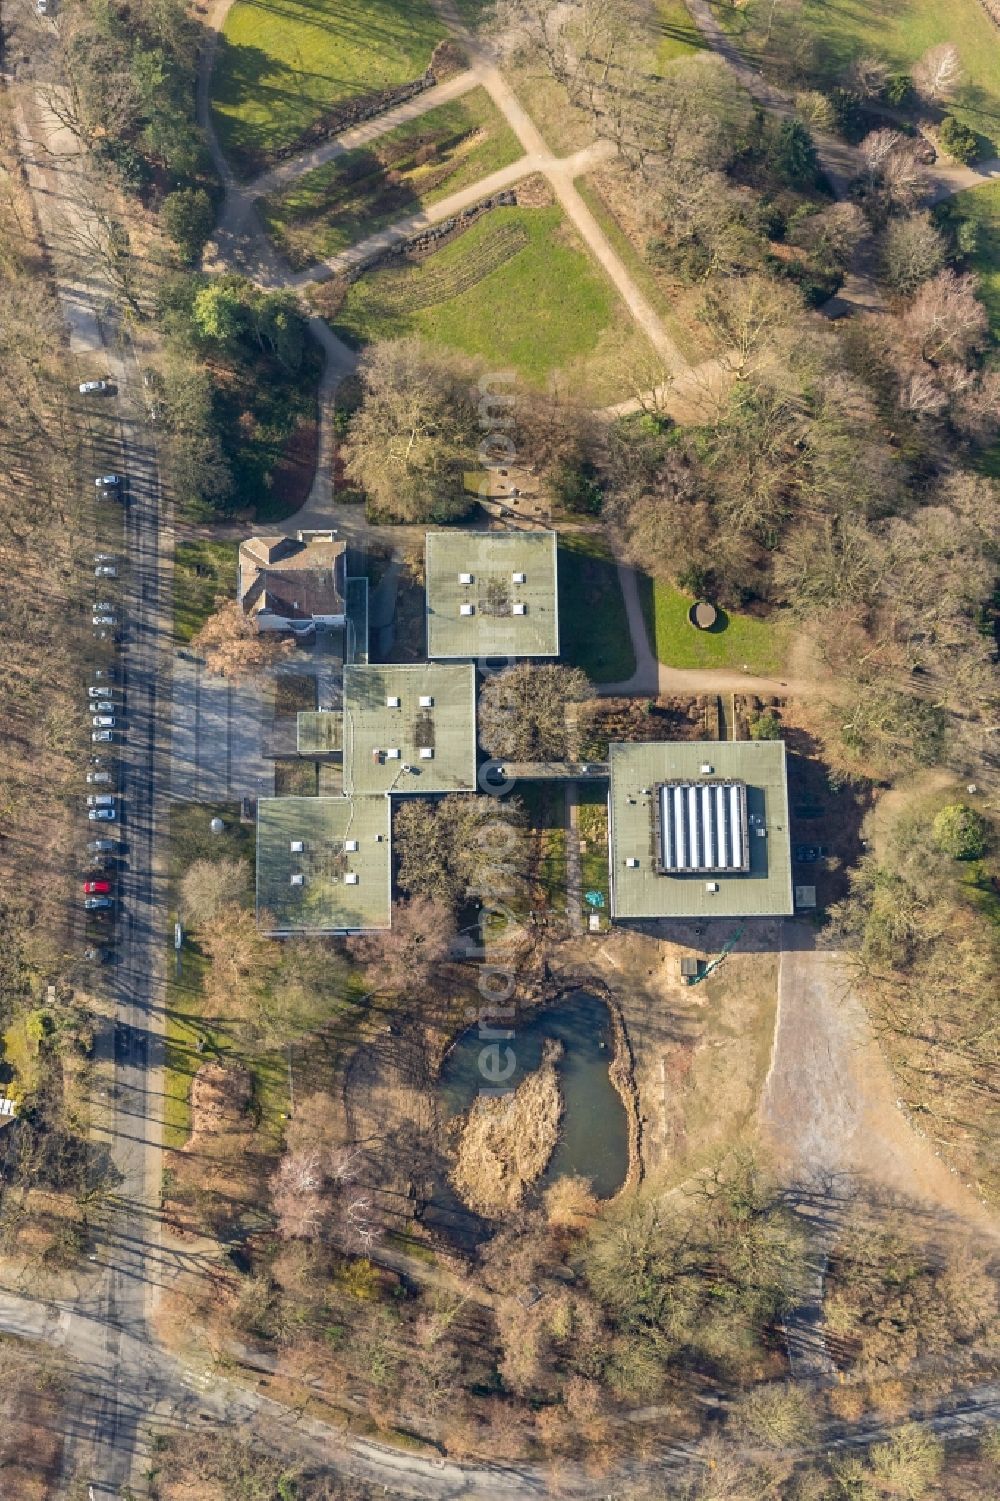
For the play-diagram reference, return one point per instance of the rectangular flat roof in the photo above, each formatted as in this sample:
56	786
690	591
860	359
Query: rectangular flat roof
492	594
639	889
319	732
410	728
326	899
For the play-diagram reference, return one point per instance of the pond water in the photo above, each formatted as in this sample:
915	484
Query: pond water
593	1139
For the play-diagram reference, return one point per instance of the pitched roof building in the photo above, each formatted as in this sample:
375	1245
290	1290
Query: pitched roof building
293	583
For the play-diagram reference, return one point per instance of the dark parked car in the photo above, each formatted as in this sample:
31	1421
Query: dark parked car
805	854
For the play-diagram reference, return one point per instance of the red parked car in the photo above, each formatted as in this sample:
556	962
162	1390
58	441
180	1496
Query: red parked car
96	888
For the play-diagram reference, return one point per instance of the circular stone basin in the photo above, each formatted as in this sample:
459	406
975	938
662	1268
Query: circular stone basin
703	615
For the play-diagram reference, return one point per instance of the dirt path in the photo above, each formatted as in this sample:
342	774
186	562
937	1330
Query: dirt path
829	1107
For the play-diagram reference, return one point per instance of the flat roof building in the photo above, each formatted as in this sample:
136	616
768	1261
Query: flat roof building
410	728
699	829
323	865
492	594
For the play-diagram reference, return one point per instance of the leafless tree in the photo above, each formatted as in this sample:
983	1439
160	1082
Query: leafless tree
938	73
233	647
869	76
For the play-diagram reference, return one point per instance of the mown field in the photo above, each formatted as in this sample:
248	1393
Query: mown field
982	207
593	626
900	31
366	189
279	69
738	641
516	289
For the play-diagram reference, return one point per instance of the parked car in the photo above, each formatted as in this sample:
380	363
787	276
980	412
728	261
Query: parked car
805	854
103	607
105	571
41	7
99	778
108	482
97	956
102	846
101	815
98	864
96	388
96	888
104	620
102	737
103	721
101	706
100	800
97	903
98	691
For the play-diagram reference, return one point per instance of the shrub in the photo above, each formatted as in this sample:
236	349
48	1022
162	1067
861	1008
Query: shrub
958	139
187	217
898	89
765	726
794	155
848	114
959	831
576	487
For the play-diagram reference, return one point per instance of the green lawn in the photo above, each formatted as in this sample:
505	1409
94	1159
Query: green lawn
517	289
676	32
202	572
402	172
900	31
280	69
982	206
593	627
738	641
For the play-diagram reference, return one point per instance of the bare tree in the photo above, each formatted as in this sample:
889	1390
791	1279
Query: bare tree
946	321
869	76
402	960
938	73
208	885
522	711
913	250
234	648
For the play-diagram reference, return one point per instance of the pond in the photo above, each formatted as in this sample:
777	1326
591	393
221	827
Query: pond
593	1139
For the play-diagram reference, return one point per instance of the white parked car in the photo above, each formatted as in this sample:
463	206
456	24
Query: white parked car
108	481
104	620
100	800
102	706
103	721
98	778
102	737
98	692
95	387
101	815
105	571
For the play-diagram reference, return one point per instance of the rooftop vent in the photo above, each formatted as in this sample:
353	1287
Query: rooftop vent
711	885
350	844
520	609
426	701
466	609
298	879
706	770
296	846
465	578
392	702
351	878
632	862
519	578
392	752
426	752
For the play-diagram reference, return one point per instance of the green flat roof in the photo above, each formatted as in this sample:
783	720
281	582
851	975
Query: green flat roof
325	901
492	629
319	732
383	743
639	891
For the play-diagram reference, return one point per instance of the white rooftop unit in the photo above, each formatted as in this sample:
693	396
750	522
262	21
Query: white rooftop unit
296	846
632	861
392	753
351	878
425	701
298	879
520	578
392	702
702	826
466	609
350	844
465	578
520	609
426	753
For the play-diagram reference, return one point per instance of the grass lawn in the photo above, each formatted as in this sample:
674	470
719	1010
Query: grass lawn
517	289
678	36
280	69
739	640
982	206
593	627
366	189
900	31
592	828
202	571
